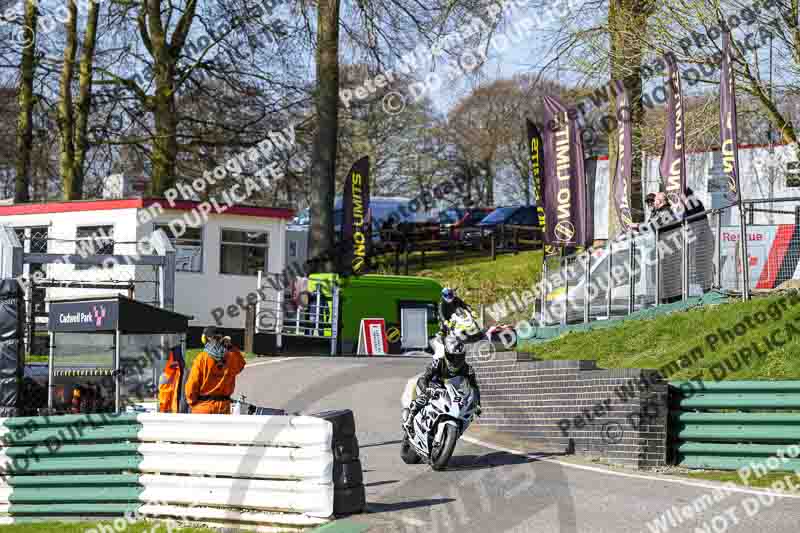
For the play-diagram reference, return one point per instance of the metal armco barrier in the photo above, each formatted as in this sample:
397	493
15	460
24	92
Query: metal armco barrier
719	426
273	470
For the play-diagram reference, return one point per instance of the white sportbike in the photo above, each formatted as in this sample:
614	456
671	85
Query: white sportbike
437	426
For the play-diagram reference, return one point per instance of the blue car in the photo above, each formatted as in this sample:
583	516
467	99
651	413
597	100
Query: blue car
524	215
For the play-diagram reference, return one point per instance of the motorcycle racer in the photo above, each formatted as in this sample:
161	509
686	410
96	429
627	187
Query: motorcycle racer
448	305
451	365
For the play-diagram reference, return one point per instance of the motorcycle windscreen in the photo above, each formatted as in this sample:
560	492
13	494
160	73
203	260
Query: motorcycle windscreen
461	384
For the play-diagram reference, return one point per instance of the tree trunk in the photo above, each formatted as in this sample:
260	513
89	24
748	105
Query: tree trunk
627	20
84	105
489	180
323	173
162	104
66	127
165	144
26	103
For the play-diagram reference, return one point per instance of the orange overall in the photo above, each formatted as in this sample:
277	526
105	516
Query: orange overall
211	379
168	385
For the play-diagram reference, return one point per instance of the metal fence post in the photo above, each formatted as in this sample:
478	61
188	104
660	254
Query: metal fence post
658	268
587	302
278	320
316	309
610	283
631	276
334	318
544	288
564	275
50	383
718	254
685	259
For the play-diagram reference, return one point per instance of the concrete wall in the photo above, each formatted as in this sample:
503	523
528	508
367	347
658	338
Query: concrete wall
576	406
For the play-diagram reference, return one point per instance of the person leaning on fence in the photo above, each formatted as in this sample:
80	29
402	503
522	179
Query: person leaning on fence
664	218
701	242
213	376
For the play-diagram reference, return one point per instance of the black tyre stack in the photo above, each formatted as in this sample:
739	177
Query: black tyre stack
348	477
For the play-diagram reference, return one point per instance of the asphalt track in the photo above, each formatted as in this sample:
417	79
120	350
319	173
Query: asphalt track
487	489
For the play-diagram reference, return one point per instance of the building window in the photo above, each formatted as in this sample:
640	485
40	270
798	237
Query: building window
34	240
243	252
292	248
93	240
793	174
188	248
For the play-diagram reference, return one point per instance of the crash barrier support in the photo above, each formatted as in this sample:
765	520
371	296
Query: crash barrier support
11	356
574	407
207	469
730	424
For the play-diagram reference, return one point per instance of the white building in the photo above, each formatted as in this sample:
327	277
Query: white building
217	261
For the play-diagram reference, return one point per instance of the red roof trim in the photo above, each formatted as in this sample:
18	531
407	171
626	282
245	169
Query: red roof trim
137	203
69	207
188	205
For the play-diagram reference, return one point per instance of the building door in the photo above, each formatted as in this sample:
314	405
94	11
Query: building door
414	328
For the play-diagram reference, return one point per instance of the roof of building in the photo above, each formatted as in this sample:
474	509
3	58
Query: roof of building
138	203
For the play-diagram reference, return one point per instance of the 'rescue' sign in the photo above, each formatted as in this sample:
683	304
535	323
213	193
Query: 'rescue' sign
98	315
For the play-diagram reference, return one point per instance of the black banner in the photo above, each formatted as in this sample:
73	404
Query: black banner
673	156
83	316
727	121
356	235
564	194
536	154
622	172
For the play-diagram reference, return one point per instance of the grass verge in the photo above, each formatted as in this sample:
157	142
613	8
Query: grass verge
479	280
765	481
656	342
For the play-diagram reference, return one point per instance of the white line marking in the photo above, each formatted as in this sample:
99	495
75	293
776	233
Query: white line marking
273	361
686	482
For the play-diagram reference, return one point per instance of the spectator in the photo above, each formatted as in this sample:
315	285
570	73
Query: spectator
670	248
649	201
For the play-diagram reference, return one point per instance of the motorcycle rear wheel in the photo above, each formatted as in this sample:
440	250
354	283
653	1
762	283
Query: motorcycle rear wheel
407	452
441	454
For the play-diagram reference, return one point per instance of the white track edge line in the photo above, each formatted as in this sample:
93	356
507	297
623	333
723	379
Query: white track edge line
273	361
689	483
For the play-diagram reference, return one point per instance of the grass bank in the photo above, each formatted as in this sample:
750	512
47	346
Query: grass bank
479	280
653	343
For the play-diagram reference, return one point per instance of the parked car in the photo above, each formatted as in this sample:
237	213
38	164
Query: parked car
422	226
524	215
452	220
381	208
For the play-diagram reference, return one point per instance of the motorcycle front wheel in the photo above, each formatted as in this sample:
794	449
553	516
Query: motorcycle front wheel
407	452
441	454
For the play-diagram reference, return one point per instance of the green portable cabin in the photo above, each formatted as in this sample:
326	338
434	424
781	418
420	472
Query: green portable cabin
407	303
